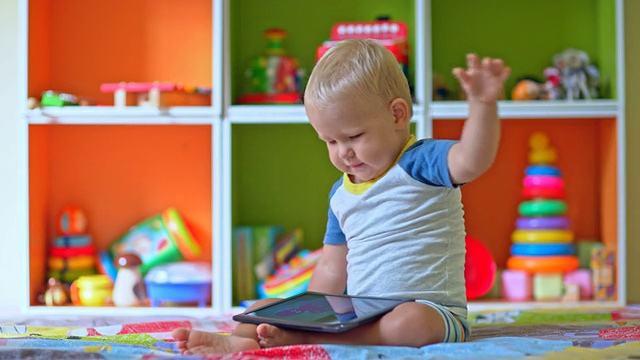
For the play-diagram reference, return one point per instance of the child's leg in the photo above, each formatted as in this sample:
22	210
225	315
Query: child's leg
243	338
410	324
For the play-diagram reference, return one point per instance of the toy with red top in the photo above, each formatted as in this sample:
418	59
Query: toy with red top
392	34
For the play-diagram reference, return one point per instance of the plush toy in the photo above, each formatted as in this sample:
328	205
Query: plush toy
579	77
553	83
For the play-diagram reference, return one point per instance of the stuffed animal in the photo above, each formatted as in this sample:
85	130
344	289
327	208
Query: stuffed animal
553	83
579	77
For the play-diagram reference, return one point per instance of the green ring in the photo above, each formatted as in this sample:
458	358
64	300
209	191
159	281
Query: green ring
542	208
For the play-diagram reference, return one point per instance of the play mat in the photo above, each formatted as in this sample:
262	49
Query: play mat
539	334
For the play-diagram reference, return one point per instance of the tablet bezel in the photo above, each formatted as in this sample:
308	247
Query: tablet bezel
246	316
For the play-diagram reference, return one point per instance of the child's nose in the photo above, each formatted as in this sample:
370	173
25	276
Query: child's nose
345	152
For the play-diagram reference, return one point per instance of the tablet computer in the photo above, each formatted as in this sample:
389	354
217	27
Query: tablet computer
313	311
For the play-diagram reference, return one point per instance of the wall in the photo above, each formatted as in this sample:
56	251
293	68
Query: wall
632	79
13	212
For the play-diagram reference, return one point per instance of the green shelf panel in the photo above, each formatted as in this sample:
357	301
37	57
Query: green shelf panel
281	176
526	34
308	24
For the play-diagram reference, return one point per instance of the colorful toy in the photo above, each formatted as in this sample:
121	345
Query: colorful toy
105	265
275	77
58	99
541	152
585	249
542	170
527	89
516	285
582	278
571	292
547	286
72	221
543	222
392	34
160	239
578	77
543	264
56	294
543	239
128	289
479	270
551	207
543	249
91	290
285	249
544	181
602	265
180	282
291	278
156	94
72	240
542	236
72	263
535	192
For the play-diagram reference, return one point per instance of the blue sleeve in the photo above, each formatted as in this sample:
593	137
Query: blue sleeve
334	234
426	161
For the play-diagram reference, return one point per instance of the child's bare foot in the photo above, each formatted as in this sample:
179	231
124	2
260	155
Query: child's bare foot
270	336
202	342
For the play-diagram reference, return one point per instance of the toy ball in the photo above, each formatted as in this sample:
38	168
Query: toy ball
71	221
526	90
479	270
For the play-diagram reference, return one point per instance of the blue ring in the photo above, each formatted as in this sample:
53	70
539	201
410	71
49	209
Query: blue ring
548	170
72	241
542	249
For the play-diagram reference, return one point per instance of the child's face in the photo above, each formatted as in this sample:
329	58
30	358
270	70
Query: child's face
363	138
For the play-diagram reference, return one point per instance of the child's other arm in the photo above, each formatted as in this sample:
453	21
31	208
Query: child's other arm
330	274
483	82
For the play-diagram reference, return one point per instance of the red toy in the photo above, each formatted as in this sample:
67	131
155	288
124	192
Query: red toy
71	221
479	270
391	34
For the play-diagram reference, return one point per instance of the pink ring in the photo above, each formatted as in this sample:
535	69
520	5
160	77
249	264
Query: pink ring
543	181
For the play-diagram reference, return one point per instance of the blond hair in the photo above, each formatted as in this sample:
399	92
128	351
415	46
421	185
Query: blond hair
356	67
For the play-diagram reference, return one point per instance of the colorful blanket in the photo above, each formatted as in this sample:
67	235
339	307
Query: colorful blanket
540	334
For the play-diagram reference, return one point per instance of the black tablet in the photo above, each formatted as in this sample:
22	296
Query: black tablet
314	311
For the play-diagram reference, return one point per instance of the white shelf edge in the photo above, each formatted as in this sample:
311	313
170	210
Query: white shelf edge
479	306
120	311
278	114
442	110
131	115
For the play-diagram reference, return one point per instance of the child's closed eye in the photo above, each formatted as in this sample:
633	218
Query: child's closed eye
355	136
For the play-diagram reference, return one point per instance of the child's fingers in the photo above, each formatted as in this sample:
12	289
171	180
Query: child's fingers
472	61
505	73
461	75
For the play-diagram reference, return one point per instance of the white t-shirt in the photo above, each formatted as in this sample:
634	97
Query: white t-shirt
405	230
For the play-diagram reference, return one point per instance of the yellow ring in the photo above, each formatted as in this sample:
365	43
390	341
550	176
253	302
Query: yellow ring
73	263
541	236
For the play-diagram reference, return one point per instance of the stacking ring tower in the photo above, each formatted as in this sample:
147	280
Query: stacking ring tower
542	239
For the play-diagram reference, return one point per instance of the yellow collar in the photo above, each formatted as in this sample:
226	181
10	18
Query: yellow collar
360	188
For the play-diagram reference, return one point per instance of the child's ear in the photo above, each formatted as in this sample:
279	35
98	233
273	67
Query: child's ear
400	110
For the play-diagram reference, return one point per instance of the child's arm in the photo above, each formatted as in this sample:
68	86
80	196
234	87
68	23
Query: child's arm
483	82
330	274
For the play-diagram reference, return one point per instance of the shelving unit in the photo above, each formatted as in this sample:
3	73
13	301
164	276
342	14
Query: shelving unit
259	164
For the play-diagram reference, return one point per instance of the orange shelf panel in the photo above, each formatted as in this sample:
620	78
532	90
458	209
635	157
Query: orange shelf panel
119	175
74	46
586	157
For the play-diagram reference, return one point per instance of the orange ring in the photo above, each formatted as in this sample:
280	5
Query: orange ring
543	264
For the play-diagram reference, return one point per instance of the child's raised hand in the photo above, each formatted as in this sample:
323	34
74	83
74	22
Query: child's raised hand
482	80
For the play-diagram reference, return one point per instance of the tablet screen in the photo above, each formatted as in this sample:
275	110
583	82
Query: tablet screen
322	312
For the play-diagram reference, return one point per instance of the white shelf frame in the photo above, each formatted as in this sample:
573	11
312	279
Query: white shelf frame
222	114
